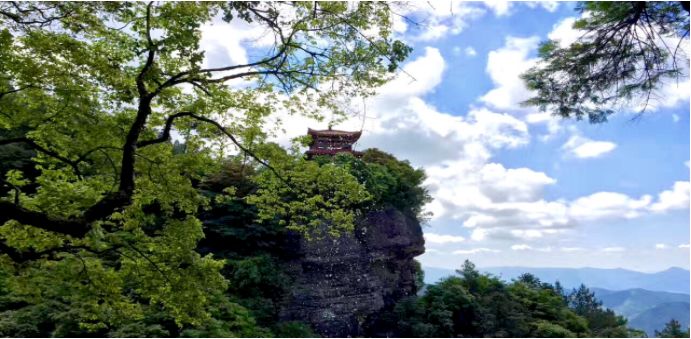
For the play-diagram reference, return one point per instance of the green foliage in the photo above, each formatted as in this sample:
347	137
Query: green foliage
479	305
672	330
602	322
626	51
307	195
293	329
389	181
101	221
544	329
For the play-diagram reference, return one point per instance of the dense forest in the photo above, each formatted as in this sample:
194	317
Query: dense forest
143	195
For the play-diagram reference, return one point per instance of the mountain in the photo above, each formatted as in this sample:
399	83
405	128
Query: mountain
646	310
630	303
674	279
656	317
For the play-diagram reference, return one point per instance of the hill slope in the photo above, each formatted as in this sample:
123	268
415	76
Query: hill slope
630	303
656	317
646	310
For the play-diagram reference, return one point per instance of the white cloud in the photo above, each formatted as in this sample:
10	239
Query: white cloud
226	43
528	234
552	122
671	94
550	6
426	72
582	147
525	247
437	19
660	246
488	194
512	185
503	8
399	25
564	33
538	118
434	32
499	7
683	246
676	198
442	238
572	249
469	51
504	67
476	250
613	249
478	234
603	205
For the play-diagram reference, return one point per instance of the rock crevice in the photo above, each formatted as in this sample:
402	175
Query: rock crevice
339	282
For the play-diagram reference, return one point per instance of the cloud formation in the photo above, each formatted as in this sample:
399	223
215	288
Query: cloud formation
504	67
475	251
582	147
676	198
442	238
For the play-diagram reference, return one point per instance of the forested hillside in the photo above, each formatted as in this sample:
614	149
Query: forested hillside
143	193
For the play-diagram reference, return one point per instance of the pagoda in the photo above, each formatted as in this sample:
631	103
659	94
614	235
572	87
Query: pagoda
331	142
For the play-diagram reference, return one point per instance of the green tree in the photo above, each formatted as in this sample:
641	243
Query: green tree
473	304
672	330
106	243
626	51
602	322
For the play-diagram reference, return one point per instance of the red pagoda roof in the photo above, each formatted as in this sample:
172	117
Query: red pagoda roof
332	142
333	133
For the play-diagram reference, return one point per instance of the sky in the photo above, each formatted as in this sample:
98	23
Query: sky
513	186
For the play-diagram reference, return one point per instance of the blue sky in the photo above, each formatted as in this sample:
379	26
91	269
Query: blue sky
514	186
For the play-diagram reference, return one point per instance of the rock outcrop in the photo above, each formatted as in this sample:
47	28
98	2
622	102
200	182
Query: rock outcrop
340	282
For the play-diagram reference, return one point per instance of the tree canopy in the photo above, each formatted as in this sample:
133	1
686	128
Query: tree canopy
672	330
626	51
99	226
472	304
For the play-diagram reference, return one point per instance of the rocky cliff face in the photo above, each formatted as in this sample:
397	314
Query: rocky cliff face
340	282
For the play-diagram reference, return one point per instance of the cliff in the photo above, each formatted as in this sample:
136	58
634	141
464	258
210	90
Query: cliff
340	283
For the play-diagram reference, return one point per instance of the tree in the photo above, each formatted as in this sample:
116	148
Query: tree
602	322
672	330
627	50
106	243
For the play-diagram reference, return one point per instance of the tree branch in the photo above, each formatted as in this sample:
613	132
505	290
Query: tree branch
34	145
165	135
73	227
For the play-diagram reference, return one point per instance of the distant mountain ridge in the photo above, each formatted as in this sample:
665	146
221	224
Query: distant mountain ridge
646	310
674	279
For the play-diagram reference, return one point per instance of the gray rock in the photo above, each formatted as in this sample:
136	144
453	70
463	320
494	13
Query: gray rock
340	282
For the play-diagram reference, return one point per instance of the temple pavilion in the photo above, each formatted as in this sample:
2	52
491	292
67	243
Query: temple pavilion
332	142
